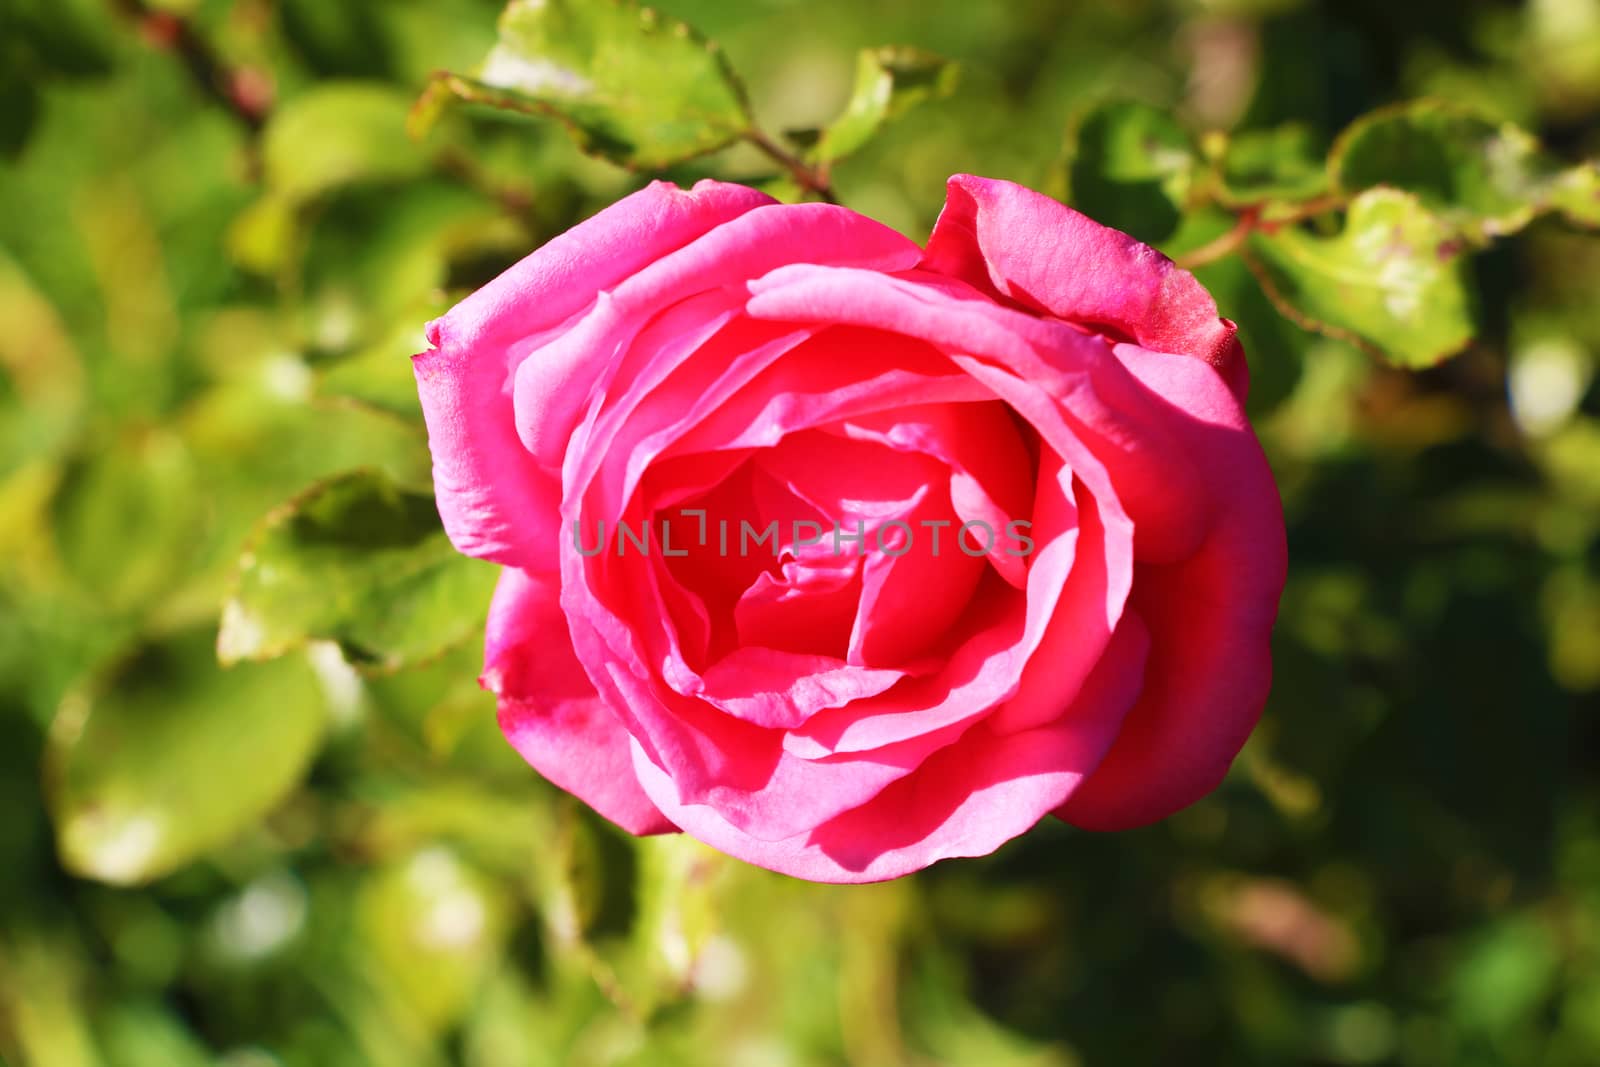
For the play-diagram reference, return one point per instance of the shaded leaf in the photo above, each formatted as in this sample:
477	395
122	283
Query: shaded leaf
1282	163
1393	279
337	39
629	84
889	82
167	755
20	114
1487	178
69	39
359	561
1130	165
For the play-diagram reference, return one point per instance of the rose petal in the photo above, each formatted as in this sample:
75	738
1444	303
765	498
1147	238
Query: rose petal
989	466
968	799
494	502
551	398
1067	574
1110	414
1023	246
1210	617
550	712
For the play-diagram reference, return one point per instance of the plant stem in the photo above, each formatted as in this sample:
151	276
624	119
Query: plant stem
1219	246
245	93
811	179
1250	220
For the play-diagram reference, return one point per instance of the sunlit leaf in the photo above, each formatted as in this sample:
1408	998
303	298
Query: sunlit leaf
628	83
263	236
337	134
434	927
440	706
125	517
1129	165
380	374
1488	178
167	755
259	443
1575	193
359	561
1504	973
490	824
48	1018
676	916
147	1032
889	82
1393	279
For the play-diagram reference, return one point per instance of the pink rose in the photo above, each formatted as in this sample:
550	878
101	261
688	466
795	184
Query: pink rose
1022	551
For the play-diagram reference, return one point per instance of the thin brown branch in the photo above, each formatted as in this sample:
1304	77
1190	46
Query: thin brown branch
245	93
1222	245
1253	218
813	179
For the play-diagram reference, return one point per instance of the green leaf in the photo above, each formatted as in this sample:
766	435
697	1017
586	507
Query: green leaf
889	82
124	518
1282	163
338	134
440	707
1575	193
380	374
1487	178
167	755
359	561
144	1031
1130	166
629	84
21	113
263	236
1393	279
679	909
49	1020
1274	345
432	928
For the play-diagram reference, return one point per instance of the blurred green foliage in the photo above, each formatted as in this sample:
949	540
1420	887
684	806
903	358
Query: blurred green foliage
218	248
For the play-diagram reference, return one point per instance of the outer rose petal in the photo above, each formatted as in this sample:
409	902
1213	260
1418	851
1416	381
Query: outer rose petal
494	502
551	713
1009	240
1210	618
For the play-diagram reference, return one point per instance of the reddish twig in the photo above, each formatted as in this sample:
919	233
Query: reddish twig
811	179
1252	218
245	93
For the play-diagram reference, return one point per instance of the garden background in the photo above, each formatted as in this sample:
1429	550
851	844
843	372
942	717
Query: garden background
218	244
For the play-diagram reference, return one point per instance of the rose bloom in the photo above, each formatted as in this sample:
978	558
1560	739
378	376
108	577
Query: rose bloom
853	709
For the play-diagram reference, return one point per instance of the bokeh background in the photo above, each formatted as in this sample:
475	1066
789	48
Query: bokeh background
217	247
